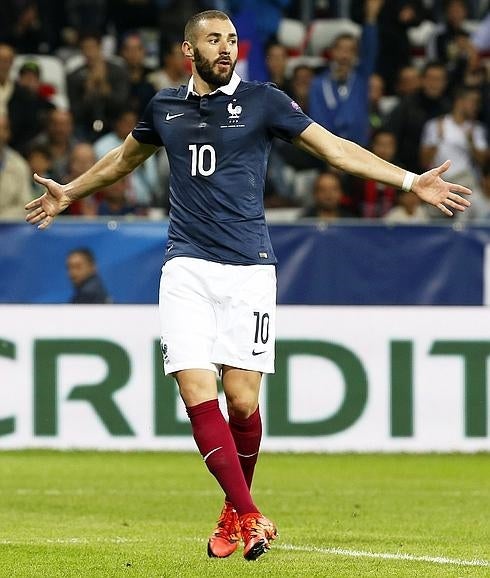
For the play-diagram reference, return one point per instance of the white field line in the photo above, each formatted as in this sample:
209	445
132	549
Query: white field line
384	555
288	547
65	541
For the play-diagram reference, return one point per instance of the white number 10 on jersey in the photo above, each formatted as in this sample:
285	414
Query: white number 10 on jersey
203	160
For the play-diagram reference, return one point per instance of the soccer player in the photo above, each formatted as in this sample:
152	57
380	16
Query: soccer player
217	295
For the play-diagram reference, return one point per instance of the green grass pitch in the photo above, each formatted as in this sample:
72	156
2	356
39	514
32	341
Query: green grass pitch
93	514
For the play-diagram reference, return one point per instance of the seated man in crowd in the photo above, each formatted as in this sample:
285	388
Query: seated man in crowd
95	90
327	198
457	136
82	270
15	177
368	198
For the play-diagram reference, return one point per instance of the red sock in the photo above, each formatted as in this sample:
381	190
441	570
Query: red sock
214	440
247	434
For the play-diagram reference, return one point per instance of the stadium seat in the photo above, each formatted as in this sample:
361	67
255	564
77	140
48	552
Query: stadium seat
323	32
52	73
292	34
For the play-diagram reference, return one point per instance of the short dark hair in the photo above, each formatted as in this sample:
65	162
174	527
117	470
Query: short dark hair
85	251
194	21
433	64
344	36
90	35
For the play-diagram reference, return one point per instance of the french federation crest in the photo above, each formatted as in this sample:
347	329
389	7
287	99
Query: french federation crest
234	111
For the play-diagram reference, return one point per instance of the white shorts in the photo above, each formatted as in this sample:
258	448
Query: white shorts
213	314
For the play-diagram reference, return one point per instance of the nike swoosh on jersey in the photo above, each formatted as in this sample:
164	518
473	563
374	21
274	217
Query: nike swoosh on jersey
171	116
257	352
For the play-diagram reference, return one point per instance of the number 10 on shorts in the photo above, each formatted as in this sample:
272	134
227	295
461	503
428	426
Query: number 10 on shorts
261	327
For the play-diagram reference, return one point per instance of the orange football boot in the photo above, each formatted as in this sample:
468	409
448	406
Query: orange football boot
257	533
224	540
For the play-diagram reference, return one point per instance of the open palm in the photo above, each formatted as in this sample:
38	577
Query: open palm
44	209
432	189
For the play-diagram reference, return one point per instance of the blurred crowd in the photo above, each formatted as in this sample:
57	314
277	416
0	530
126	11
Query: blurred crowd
408	79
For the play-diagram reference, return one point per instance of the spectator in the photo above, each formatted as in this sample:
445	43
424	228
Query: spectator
141	91
327	198
15	177
29	77
408	81
457	136
82	157
377	115
96	90
409	117
371	199
395	18
82	271
172	72
408	210
452	45
40	162
143	183
114	202
339	96
276	59
27	34
301	80
21	107
58	137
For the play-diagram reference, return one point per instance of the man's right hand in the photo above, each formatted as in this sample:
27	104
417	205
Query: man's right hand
44	209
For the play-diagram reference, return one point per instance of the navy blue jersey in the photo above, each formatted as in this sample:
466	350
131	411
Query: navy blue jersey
218	146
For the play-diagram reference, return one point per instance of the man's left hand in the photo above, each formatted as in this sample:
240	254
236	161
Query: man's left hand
432	189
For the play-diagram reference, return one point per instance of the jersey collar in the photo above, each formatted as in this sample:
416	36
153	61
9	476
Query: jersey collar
228	89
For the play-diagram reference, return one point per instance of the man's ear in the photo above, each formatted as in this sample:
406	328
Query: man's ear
187	50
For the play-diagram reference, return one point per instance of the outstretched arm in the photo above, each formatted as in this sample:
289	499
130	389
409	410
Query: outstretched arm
116	164
351	158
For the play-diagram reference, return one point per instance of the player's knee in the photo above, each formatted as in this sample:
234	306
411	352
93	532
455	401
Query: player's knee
241	407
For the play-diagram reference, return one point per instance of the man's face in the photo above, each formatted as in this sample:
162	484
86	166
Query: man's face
82	159
277	59
133	51
60	126
344	52
79	268
91	49
215	51
327	192
470	105
434	82
384	146
408	80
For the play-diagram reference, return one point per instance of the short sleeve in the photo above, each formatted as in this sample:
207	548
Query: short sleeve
284	117
144	131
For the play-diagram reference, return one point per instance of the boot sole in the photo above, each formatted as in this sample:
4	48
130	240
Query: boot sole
257	550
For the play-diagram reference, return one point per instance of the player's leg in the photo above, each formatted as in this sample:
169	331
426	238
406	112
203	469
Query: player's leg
245	349
215	442
242	388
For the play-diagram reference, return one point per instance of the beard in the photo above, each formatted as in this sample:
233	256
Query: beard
205	70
